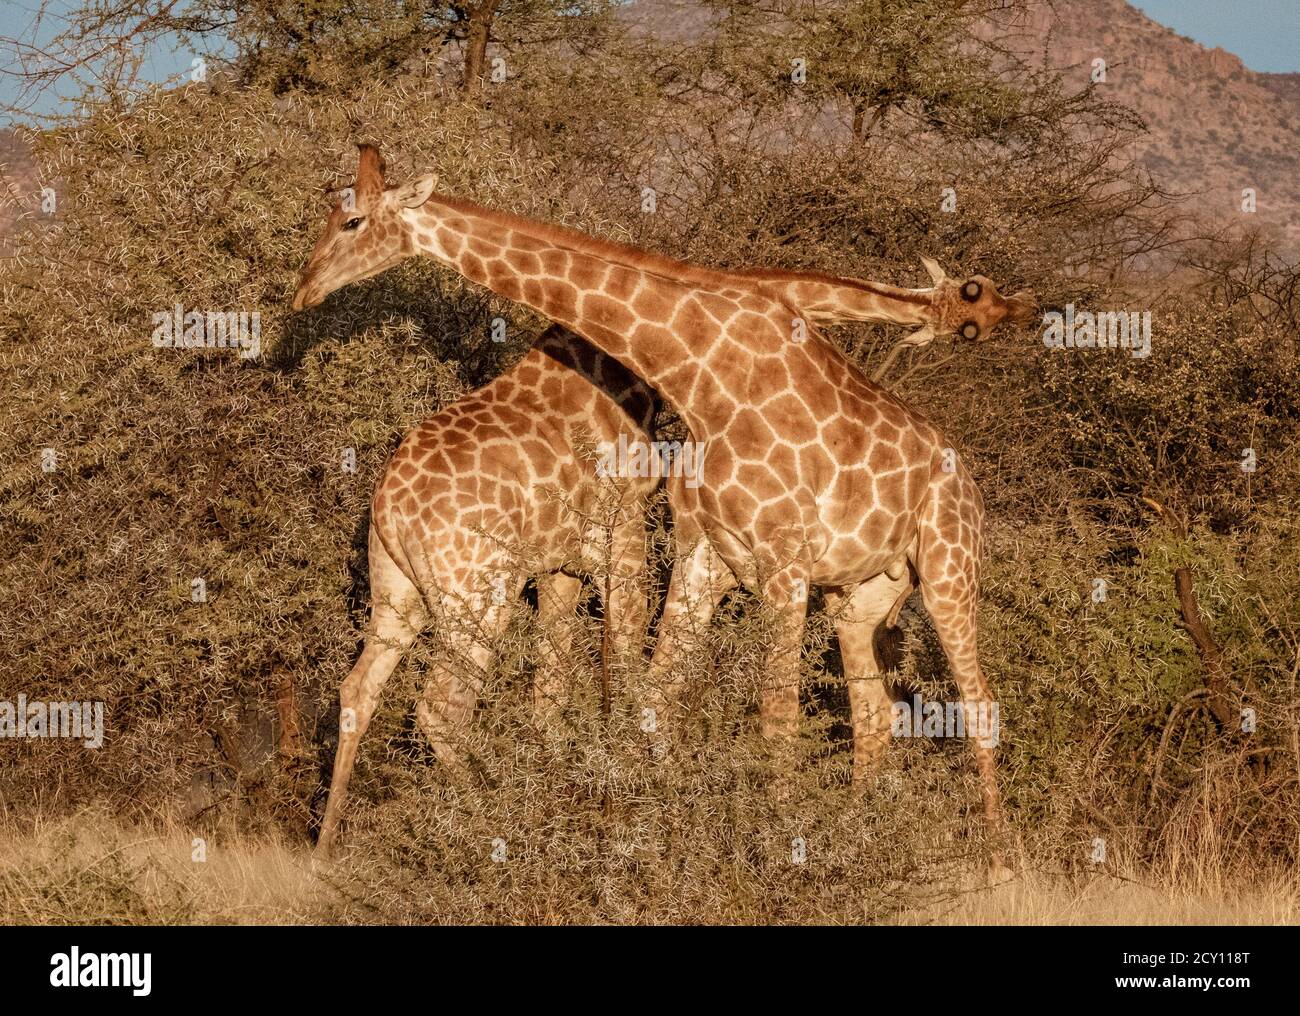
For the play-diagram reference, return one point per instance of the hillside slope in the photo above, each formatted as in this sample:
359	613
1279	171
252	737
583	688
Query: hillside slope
1216	127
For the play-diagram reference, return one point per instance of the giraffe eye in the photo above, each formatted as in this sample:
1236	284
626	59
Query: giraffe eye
352	223
969	330
971	291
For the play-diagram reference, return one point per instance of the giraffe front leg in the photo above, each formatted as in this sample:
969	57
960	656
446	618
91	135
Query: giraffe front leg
626	612
699	581
785	595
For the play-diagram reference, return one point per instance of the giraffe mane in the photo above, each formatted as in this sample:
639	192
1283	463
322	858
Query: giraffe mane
846	281
660	264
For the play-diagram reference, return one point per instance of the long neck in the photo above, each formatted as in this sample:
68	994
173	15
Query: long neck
819	297
824	299
625	312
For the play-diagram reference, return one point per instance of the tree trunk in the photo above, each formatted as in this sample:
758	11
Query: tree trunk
291	747
1216	684
476	43
1206	647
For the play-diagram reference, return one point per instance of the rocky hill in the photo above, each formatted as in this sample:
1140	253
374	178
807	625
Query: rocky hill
1216	127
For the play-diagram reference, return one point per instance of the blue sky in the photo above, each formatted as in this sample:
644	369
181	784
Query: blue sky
161	61
1264	33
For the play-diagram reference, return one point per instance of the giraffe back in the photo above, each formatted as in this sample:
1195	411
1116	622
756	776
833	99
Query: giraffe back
509	471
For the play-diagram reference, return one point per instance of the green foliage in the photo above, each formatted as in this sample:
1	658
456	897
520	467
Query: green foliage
1175	426
1088	689
879	56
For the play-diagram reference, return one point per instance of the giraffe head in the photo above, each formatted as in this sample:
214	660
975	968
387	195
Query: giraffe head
367	231
972	308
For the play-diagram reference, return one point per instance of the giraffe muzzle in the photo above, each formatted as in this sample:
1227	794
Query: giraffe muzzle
304	298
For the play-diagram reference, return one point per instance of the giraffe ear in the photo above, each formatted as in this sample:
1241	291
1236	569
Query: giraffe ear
937	274
415	192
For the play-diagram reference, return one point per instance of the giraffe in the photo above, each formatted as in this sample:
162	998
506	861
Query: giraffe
490	490
382	226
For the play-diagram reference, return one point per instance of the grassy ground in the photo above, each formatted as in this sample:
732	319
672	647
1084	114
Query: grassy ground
1040	898
89	870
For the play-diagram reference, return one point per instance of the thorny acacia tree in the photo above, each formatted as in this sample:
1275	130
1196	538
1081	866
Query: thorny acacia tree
323	46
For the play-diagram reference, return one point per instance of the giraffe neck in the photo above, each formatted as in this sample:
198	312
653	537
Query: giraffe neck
819	297
624	311
829	298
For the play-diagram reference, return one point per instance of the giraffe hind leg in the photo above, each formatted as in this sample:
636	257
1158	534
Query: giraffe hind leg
858	613
470	622
557	603
396	618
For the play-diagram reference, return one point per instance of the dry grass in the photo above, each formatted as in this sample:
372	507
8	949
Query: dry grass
174	464
1043	898
90	870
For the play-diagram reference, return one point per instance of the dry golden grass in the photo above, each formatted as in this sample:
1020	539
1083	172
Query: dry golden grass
181	463
90	870
1042	898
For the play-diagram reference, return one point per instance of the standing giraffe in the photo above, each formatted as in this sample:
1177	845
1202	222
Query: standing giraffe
635	296
490	490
